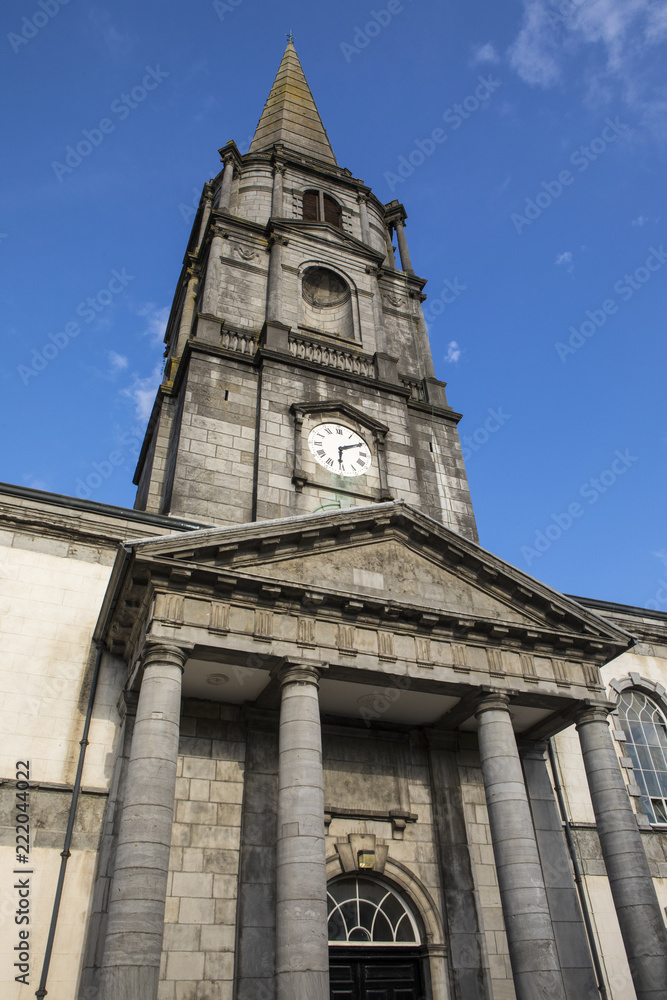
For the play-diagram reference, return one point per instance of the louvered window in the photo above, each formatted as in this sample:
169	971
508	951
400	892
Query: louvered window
320	207
310	205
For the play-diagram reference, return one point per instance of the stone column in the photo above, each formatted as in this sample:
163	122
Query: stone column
632	888
187	315
390	258
225	199
530	934
406	263
206	214
302	950
363	218
277	207
274	295
212	285
131	961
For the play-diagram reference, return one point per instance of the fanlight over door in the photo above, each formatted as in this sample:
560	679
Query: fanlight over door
365	912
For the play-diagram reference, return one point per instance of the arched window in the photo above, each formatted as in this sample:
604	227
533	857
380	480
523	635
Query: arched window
645	728
365	911
320	207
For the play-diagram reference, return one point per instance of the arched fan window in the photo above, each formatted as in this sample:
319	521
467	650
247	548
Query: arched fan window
364	911
320	207
645	728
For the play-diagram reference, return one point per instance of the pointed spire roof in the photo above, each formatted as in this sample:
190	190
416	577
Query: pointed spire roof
290	114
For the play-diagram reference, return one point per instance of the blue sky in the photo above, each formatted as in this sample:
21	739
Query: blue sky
538	217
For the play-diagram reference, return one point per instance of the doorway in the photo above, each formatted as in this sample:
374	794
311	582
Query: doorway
372	975
374	941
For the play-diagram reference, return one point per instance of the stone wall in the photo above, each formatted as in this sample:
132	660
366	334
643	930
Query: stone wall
200	916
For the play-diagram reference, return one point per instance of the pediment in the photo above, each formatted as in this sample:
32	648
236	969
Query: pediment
383	560
325	232
390	570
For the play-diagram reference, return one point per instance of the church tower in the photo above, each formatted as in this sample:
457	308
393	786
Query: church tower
298	372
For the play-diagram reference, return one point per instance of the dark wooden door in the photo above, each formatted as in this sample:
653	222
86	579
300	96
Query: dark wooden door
374	975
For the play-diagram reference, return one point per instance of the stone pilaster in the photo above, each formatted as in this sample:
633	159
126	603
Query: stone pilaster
632	887
363	219
302	951
468	961
277	208
530	934
274	294
131	961
569	929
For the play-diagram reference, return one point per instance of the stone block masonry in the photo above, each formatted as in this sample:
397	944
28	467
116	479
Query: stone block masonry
200	916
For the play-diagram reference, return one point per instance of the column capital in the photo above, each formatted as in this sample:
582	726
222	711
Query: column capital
593	712
157	651
277	239
299	672
491	700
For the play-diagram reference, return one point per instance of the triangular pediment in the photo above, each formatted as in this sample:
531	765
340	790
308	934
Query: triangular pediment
383	560
326	234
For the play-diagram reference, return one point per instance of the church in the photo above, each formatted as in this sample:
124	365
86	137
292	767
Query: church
285	731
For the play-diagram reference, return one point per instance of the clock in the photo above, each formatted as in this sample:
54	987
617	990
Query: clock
339	449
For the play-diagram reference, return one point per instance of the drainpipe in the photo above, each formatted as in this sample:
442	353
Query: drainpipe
578	878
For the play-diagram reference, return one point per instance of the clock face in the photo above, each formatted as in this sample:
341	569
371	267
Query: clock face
340	449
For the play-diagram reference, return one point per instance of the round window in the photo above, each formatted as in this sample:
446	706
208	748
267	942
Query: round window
324	289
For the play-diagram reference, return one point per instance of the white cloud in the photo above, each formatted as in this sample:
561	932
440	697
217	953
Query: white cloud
156	321
641	220
118	362
565	259
485	54
616	35
142	392
532	52
662	556
453	352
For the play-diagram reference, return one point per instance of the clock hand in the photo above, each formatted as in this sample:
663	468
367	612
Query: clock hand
344	447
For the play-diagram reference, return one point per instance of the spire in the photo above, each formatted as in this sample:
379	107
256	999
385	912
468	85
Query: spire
290	114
